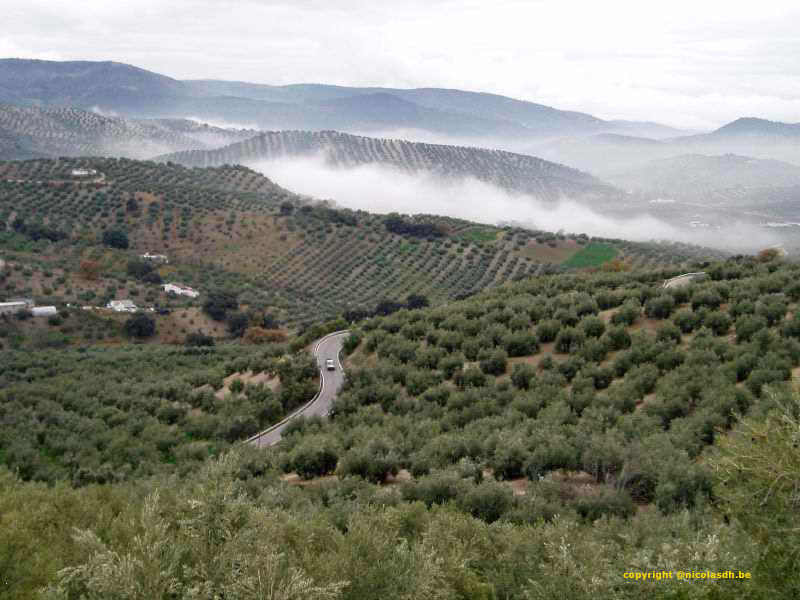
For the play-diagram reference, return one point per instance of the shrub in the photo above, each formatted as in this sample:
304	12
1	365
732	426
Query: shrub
116	238
258	336
548	330
521	344
660	307
436	489
569	340
373	462
708	298
618	338
237	324
199	340
140	326
593	327
509	460
626	315
138	268
488	501
522	375
570	367
610	502
686	320
496	363
470	377
314	457
718	322
772	310
668	332
748	326
219	303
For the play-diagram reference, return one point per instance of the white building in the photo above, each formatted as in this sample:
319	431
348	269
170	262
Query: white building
161	258
11	308
44	311
123	306
181	290
84	172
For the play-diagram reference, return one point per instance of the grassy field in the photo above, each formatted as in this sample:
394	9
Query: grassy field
478	235
593	254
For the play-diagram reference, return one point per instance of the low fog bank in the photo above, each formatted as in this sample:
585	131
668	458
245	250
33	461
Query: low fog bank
223	124
380	189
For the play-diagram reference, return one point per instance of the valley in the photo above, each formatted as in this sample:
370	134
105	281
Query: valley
310	341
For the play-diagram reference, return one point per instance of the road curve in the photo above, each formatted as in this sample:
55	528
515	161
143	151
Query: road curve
682	280
330	383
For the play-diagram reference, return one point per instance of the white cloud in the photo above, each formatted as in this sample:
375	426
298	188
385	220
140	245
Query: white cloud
380	189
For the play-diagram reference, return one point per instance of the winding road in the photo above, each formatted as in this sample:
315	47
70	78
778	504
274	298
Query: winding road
682	280
320	405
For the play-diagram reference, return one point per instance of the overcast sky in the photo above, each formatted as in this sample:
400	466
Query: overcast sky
696	63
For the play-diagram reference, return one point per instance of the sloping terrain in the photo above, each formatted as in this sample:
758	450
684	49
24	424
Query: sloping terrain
605	154
73	132
231	227
136	92
689	176
481	449
515	172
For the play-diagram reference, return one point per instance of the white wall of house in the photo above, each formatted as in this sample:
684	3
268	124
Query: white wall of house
181	290
10	308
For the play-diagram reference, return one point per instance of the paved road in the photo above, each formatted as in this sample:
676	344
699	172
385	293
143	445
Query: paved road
681	280
327	347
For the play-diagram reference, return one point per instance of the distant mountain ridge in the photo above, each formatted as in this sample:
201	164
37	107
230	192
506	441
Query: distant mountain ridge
607	153
753	125
137	92
515	172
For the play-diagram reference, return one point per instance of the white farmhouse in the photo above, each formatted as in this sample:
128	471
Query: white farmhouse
181	290
84	172
123	306
44	311
159	258
11	308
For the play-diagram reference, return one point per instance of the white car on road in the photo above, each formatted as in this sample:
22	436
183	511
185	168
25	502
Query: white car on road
329	365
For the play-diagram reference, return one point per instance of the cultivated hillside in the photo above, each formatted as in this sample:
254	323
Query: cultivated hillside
515	172
229	227
482	449
74	132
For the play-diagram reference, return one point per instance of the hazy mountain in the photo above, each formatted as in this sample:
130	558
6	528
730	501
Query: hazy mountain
107	84
518	117
749	136
689	176
30	132
507	170
602	153
114	87
607	153
759	127
647	129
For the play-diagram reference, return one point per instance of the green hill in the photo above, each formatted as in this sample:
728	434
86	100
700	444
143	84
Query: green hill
516	436
230	227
